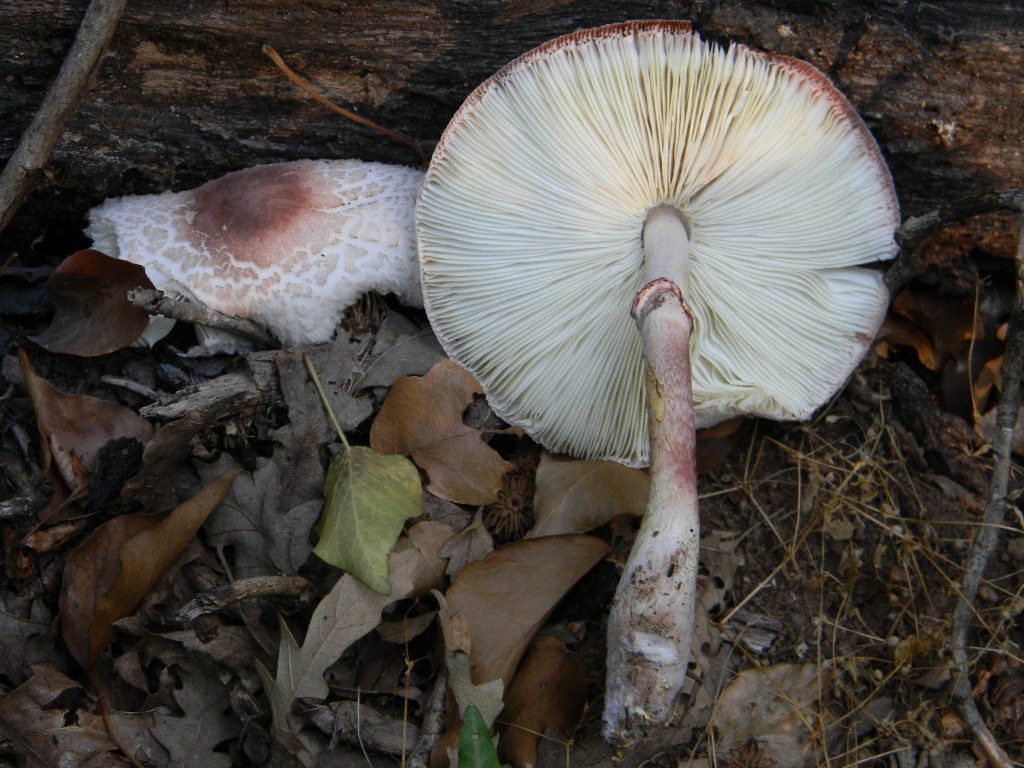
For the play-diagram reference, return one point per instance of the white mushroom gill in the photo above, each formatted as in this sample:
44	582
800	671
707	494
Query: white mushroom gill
288	246
543	183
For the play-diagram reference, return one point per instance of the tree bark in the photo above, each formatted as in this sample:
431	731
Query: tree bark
184	93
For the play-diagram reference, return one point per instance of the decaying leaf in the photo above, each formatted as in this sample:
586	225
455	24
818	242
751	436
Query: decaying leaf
335	365
368	497
75	428
22	622
93	315
43	725
549	690
422	418
773	707
207	721
578	496
350	610
265	519
400	348
467	546
108	575
506	596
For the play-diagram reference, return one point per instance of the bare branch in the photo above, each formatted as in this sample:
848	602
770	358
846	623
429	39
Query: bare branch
41	136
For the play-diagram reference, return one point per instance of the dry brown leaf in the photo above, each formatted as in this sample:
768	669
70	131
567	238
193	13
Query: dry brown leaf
507	596
38	721
773	707
108	575
578	496
93	315
422	418
467	546
75	427
548	691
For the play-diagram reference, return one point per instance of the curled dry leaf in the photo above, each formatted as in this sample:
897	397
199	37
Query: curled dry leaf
507	596
108	575
422	418
93	315
549	690
75	428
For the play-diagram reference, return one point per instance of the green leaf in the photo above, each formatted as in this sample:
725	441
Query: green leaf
476	750
369	496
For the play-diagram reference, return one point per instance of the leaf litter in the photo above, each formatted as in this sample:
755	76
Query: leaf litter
808	523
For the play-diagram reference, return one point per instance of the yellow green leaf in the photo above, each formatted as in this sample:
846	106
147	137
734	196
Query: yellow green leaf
368	498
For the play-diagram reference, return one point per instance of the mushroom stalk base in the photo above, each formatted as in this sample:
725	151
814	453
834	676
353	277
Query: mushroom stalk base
651	622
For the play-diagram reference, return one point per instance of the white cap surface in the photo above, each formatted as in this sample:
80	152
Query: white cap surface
289	245
531	216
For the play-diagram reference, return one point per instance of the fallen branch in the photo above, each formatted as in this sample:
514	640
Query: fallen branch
987	538
39	139
156	303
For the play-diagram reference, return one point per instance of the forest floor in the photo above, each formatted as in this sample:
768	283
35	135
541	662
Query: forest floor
833	555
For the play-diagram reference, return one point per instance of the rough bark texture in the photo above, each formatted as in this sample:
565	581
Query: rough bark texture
184	93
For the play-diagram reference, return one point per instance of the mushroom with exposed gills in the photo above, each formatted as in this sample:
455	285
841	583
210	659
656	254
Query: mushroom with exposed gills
289	246
729	199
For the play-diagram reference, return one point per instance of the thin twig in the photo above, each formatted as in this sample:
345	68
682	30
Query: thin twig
156	303
987	538
37	142
308	89
219	598
913	231
432	725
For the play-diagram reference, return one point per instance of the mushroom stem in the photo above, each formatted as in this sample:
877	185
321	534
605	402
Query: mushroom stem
651	623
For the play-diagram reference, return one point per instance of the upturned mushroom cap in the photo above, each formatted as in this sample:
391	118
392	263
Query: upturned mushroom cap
289	245
531	216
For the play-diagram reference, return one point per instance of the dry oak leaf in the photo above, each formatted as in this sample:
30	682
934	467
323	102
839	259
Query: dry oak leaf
108	575
422	418
191	738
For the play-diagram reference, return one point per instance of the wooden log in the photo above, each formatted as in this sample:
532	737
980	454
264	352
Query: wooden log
184	93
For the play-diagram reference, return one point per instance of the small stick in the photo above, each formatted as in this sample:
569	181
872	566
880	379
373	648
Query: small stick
244	589
38	140
913	231
308	89
987	538
156	303
432	722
